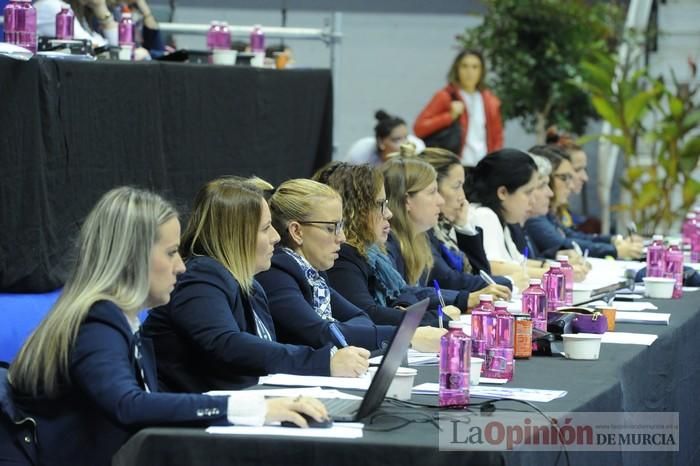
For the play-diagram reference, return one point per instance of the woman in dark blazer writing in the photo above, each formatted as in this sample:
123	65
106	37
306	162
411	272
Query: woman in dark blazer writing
85	376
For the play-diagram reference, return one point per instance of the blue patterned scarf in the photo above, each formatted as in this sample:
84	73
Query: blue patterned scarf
320	292
389	280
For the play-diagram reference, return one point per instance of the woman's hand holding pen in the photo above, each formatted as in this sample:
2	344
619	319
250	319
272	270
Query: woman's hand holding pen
452	311
427	339
499	292
350	361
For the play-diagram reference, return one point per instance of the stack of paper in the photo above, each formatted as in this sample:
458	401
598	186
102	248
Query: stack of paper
642	317
359	383
316	392
525	394
338	430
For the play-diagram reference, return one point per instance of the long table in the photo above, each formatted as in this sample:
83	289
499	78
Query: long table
70	131
661	378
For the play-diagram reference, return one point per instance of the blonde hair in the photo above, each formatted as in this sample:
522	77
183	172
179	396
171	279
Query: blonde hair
113	264
224	225
403	177
295	200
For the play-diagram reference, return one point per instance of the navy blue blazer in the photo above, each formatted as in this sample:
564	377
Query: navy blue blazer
297	321
446	275
522	240
473	247
106	402
549	236
352	277
206	338
459	298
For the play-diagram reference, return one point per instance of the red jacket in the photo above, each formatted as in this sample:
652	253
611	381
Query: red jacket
436	116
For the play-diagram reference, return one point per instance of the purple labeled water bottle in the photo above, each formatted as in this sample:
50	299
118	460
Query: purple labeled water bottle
224	36
126	28
674	267
213	35
688	229
554	286
568	272
257	39
20	24
483	321
535	304
455	349
655	257
499	357
64	23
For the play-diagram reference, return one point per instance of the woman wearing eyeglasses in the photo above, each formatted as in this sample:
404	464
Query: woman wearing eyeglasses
216	332
364	273
309	217
547	232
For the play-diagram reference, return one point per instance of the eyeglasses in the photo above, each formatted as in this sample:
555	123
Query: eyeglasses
336	228
383	206
565	177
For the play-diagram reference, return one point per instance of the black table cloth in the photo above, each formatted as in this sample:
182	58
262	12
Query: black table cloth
70	131
661	378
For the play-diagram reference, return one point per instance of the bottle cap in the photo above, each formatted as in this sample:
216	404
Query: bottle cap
456	324
657	237
554	265
535	281
690	215
562	258
503	304
486	297
674	242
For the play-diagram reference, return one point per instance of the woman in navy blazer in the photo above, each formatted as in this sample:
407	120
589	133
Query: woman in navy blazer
217	332
305	309
85	376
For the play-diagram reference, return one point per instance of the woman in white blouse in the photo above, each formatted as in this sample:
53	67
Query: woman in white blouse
501	187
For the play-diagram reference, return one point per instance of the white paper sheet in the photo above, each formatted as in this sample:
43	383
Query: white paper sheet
359	383
338	430
631	306
525	394
642	317
624	338
316	392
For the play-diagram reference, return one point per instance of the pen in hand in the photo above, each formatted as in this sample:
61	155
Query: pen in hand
487	278
441	306
337	335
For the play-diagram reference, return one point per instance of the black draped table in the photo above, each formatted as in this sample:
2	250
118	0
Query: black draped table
69	131
661	378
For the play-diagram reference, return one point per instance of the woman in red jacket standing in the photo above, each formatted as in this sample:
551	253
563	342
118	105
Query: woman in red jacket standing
467	100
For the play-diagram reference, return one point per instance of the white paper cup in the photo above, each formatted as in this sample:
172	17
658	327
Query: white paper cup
402	384
258	59
658	287
582	345
126	52
224	57
475	370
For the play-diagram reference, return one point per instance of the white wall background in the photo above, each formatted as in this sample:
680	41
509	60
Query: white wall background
394	61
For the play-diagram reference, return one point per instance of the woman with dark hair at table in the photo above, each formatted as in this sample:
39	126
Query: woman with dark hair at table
550	236
85	376
216	332
501	187
363	273
456	245
466	99
390	133
309	217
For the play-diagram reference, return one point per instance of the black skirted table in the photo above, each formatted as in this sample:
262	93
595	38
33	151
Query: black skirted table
69	131
661	378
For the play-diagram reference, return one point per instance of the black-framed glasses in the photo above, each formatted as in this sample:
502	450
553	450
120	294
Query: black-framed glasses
336	228
383	206
565	177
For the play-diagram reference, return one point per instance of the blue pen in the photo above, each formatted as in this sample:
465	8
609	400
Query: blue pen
442	301
487	278
338	335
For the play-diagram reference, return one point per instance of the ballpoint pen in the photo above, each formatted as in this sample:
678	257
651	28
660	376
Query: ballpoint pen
338	335
487	278
585	255
577	248
441	306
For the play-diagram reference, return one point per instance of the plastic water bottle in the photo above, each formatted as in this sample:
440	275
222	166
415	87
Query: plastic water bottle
499	357
224	36
483	322
655	257
455	349
65	19
688	230
554	286
20	24
674	266
257	39
535	304
126	28
213	35
568	272
695	245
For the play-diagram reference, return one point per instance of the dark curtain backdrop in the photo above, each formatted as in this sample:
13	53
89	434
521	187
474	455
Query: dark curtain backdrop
69	131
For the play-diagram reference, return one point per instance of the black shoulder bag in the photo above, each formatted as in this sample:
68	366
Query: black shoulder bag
449	138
